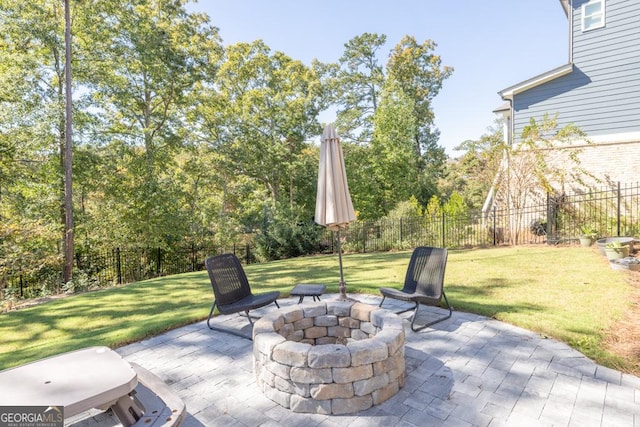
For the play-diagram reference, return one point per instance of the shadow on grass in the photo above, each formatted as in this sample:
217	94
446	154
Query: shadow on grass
110	317
477	299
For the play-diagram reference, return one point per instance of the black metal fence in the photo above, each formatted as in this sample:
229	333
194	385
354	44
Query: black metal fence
612	211
131	265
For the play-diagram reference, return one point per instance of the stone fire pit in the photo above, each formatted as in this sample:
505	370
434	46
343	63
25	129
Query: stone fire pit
334	357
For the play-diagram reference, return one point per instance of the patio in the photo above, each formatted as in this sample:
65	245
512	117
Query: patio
466	371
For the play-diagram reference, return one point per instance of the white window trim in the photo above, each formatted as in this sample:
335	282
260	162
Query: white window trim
602	21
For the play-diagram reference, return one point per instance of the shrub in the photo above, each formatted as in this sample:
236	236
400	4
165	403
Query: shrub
286	238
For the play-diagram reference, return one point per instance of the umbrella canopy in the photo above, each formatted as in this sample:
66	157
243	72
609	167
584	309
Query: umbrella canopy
334	209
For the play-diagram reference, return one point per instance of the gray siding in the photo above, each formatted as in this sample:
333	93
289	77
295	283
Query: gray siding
602	94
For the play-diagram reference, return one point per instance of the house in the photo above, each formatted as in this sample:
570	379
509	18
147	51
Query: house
598	89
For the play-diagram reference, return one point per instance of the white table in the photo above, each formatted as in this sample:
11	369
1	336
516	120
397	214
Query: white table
94	377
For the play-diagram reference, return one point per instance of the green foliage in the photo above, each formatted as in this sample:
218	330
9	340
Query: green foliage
393	155
357	86
455	206
388	108
434	208
588	231
180	141
287	236
473	173
540	136
420	74
260	118
406	209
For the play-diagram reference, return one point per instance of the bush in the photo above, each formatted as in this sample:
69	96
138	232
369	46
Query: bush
538	227
286	239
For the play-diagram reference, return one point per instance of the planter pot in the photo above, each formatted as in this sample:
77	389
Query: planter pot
616	253
625	241
586	241
614	264
627	263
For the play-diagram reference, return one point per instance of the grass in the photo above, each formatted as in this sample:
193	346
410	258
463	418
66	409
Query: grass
568	293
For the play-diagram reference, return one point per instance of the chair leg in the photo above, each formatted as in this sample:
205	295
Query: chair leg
401	311
415	315
231	331
228	331
210	314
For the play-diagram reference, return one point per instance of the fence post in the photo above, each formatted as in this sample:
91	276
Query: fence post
118	266
443	239
364	238
495	223
401	231
247	254
618	213
550	220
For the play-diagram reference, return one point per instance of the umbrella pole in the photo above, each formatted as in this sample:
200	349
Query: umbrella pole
343	285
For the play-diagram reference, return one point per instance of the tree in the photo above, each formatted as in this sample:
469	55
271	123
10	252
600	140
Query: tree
420	74
36	126
542	163
395	162
413	69
158	57
68	241
260	119
357	85
473	173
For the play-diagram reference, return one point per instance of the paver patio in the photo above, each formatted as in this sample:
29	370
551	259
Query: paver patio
466	371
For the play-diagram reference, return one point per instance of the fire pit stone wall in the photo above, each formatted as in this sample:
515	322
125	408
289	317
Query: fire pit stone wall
334	357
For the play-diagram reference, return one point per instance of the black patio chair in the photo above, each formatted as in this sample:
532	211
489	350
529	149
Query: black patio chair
423	284
231	290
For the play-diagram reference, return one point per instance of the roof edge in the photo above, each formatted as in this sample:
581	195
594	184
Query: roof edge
509	92
504	107
565	6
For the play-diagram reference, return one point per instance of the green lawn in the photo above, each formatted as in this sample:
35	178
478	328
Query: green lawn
568	293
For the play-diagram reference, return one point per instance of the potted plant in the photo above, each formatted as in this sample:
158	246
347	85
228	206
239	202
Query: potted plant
588	236
616	250
624	241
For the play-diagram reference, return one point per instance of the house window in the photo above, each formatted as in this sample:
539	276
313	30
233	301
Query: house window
592	15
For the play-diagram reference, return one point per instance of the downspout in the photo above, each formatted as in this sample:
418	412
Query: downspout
511	128
507	158
570	13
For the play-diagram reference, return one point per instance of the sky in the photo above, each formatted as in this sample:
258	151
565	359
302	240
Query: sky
491	44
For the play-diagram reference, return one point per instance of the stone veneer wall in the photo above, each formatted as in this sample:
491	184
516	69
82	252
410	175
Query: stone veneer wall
333	357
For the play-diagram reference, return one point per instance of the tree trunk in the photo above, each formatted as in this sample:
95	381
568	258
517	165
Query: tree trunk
67	272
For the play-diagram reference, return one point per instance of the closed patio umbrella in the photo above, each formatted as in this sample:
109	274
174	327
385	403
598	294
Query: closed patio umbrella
334	209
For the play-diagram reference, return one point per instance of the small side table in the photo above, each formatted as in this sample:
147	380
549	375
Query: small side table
308	290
